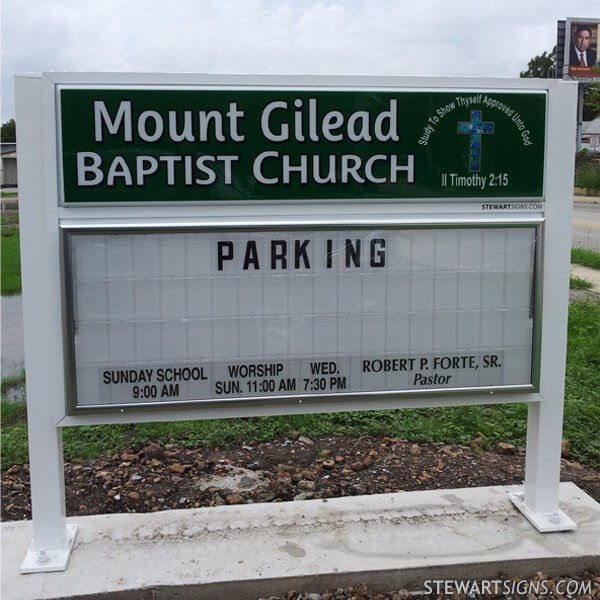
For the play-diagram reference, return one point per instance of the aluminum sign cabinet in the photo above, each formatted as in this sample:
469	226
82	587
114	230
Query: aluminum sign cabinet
55	212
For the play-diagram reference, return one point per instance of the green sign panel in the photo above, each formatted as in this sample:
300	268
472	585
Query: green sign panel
138	145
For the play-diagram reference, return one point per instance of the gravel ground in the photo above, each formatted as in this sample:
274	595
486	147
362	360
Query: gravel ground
166	477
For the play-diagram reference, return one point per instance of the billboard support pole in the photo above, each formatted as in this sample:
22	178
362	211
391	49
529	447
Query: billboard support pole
52	537
539	500
579	134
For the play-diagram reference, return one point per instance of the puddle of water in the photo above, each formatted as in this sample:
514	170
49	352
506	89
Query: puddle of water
13	354
15	395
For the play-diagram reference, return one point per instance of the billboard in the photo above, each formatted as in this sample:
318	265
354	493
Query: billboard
581	56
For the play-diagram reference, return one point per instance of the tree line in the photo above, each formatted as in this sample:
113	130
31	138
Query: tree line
8	133
544	66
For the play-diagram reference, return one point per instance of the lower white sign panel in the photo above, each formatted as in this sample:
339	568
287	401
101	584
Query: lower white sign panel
213	315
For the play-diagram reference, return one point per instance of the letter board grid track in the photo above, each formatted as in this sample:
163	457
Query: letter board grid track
196	316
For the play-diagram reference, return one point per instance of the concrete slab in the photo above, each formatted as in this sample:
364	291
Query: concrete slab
592	275
387	541
586	198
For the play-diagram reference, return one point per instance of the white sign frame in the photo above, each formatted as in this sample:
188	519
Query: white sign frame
42	218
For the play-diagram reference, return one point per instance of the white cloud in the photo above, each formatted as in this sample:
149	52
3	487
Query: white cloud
428	37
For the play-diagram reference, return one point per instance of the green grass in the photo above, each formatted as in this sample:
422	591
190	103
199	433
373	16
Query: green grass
11	260
579	283
426	425
588	176
13	413
582	383
450	425
13	439
585	257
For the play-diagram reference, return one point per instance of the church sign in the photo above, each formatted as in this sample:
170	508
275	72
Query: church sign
132	145
204	247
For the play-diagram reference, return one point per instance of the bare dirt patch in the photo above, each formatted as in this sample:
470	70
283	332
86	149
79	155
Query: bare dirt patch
163	477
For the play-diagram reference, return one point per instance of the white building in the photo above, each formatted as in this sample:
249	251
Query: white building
8	164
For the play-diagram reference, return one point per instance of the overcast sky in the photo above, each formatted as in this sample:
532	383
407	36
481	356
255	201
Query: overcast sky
399	37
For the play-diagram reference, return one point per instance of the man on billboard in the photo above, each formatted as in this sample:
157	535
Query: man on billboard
581	55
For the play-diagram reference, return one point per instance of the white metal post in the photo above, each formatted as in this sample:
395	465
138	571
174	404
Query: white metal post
40	272
539	502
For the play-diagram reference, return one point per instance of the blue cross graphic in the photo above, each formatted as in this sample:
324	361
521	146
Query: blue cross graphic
475	128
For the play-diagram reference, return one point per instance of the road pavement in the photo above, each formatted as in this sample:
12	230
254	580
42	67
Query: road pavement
586	225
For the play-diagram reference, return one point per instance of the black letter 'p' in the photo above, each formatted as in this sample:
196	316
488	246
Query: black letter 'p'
225	252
